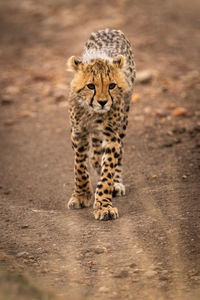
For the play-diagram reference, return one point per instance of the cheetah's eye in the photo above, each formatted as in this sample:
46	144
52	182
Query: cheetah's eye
112	86
91	86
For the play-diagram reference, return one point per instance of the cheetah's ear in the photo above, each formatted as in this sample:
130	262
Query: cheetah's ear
73	64
119	61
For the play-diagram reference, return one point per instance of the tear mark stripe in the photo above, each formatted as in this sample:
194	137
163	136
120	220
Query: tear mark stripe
92	99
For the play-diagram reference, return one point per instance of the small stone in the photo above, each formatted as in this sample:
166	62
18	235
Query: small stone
177	141
25	114
147	110
104	289
47	91
163	278
136	271
24	226
59	98
31	257
179	111
9	122
163	120
133	265
164	272
92	262
171	105
41	77
139	251
45	270
197	145
99	250
184	176
150	273
6	101
195	278
22	254
154	176
167	144
169	132
7	192
160	113
14	90
135	98
144	76
122	274
87	254
164	89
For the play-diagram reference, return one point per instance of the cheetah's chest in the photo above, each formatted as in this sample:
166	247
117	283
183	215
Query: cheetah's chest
90	122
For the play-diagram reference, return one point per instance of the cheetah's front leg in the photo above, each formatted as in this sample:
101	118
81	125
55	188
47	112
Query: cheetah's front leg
82	194
103	195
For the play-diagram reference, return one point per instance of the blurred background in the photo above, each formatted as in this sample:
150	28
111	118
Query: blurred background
36	172
37	37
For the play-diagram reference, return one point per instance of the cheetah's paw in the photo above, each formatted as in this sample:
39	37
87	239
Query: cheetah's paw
119	189
106	213
77	201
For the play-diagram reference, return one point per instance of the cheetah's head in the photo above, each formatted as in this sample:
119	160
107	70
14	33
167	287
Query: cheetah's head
98	84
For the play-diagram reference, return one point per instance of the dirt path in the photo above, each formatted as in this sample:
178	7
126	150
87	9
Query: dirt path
152	250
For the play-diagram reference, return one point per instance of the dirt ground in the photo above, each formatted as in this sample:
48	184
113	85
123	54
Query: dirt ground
152	250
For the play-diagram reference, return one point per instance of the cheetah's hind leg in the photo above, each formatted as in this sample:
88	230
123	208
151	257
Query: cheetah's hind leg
96	152
119	189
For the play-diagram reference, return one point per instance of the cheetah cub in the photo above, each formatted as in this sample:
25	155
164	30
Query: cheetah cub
99	103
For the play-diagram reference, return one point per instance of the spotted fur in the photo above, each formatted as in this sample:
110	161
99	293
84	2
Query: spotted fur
99	103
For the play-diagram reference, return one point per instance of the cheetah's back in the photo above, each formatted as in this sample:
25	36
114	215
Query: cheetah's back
107	44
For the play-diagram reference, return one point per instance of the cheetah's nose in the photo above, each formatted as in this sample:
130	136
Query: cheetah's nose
102	102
